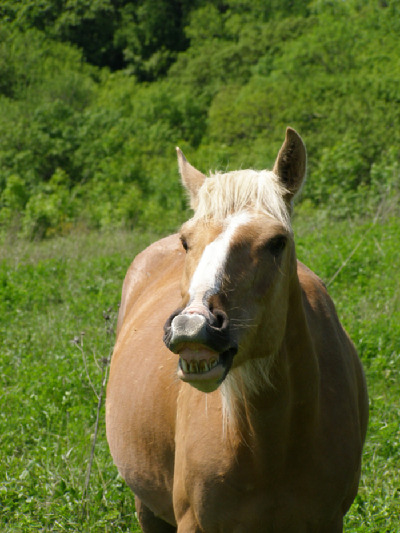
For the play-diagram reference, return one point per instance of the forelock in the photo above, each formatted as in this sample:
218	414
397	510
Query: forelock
222	195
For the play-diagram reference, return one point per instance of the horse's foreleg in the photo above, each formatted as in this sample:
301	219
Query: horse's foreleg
149	522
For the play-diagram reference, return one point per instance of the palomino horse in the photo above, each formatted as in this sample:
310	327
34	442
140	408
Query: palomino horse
250	414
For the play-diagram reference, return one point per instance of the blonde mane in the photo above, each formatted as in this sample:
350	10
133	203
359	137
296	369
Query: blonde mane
222	195
239	386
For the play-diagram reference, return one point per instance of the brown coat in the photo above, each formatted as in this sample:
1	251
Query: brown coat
275	448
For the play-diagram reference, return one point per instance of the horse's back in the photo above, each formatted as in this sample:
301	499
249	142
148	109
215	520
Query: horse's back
142	388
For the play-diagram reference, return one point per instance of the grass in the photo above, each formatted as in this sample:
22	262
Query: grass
52	294
53	339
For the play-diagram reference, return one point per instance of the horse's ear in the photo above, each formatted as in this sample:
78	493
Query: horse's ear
290	165
192	178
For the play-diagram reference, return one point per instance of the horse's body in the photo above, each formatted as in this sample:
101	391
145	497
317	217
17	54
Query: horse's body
277	446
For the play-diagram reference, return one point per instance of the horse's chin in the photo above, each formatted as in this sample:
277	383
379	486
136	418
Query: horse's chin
203	368
202	385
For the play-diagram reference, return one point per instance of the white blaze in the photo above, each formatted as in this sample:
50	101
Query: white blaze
208	275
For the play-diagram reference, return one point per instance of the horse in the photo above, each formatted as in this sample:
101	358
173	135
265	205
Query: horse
236	401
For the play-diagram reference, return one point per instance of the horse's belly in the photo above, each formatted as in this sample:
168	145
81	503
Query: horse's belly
142	448
140	416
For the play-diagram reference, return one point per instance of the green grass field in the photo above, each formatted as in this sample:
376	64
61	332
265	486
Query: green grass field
58	302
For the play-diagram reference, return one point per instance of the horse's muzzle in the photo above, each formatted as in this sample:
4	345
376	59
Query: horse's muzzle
181	329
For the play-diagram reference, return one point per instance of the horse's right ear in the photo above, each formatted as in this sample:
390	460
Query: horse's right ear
192	178
290	165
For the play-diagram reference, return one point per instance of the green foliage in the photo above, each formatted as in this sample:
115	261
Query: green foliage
151	34
90	25
234	75
144	35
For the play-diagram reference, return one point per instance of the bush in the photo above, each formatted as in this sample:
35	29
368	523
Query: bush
251	69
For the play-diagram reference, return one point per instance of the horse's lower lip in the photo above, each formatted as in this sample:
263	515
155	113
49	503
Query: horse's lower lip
206	381
200	367
203	368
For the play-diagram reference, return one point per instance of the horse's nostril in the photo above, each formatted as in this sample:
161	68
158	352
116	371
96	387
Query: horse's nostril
221	319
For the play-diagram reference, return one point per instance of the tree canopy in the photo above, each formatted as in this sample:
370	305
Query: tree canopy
94	96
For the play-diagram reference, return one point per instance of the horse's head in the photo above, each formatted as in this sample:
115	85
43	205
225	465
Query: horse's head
239	262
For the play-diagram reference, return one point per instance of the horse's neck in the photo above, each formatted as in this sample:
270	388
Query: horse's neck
271	401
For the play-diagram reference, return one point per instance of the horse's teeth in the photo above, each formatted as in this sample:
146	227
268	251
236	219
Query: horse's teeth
193	367
198	367
203	366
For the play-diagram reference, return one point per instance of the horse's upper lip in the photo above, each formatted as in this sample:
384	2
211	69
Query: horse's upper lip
181	329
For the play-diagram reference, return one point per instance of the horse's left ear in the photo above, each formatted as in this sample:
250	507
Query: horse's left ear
290	165
192	178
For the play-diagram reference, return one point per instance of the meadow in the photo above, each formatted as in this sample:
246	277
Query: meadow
58	304
93	98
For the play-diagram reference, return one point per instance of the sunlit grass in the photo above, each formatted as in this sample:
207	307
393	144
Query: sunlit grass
52	298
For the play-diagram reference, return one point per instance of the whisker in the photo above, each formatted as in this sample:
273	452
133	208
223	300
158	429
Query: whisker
242	320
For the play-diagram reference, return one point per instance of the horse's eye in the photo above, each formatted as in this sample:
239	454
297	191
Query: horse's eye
276	245
184	244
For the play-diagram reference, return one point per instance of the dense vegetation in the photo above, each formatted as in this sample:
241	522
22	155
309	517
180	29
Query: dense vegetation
50	372
95	95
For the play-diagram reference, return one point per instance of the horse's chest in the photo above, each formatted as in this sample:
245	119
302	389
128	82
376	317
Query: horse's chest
235	494
224	495
231	484
216	479
209	489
